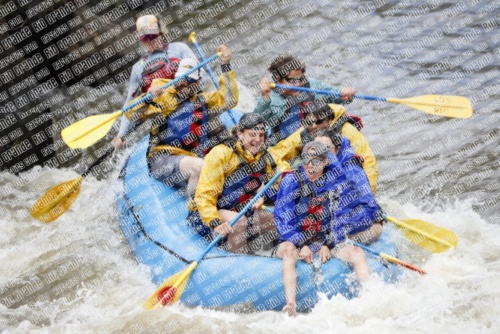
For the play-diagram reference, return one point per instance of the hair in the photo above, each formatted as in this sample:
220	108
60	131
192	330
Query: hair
318	108
320	150
335	137
247	121
282	65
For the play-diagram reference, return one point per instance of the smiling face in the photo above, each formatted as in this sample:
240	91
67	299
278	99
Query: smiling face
253	140
294	78
313	165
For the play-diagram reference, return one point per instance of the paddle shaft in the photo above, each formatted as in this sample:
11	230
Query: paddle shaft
148	96
328	92
390	258
192	38
241	213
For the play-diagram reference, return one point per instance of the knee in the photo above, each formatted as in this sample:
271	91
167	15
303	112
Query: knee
195	165
191	166
356	254
289	251
241	224
377	230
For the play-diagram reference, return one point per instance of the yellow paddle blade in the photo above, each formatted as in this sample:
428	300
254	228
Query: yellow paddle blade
192	37
426	235
89	130
171	290
56	201
441	105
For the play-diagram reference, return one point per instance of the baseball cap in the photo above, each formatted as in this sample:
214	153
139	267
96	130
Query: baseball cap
147	25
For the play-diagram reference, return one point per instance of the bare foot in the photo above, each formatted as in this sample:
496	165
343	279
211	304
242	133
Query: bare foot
291	309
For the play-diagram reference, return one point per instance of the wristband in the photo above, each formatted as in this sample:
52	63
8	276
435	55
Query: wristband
214	223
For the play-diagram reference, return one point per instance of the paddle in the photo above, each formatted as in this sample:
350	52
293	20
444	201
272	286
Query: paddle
192	39
423	234
383	255
171	290
89	130
59	198
426	235
390	258
441	105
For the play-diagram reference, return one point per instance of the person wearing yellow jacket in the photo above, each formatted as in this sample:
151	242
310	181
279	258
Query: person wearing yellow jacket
319	116
180	137
233	172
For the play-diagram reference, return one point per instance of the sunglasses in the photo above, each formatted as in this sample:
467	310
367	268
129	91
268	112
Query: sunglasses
307	122
148	37
315	161
302	78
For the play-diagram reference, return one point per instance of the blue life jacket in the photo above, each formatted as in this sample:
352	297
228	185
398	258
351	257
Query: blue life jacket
357	208
242	185
290	121
303	208
312	211
186	127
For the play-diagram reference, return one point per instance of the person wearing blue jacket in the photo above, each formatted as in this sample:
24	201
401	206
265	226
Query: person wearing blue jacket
362	218
281	108
302	214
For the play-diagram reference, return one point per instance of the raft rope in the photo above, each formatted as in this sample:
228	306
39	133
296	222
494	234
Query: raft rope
162	246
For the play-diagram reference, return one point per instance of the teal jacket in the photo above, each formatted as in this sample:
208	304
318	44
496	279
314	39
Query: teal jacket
275	107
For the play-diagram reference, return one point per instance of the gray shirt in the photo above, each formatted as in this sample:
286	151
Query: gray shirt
177	50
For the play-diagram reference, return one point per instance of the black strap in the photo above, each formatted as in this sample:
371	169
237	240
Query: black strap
148	236
337	126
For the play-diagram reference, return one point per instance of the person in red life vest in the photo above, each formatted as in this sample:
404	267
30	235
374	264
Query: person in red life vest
280	108
160	60
179	138
233	172
302	214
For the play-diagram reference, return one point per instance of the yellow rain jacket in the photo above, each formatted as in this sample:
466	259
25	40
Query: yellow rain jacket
225	98
221	162
291	146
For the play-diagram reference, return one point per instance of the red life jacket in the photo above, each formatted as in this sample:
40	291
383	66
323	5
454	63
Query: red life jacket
159	68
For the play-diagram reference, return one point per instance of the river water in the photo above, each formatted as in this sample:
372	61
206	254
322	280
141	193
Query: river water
77	275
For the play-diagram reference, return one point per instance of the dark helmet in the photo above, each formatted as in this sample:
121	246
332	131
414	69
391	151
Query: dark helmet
249	121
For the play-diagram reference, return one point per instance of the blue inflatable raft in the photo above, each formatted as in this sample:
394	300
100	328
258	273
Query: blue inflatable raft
153	220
